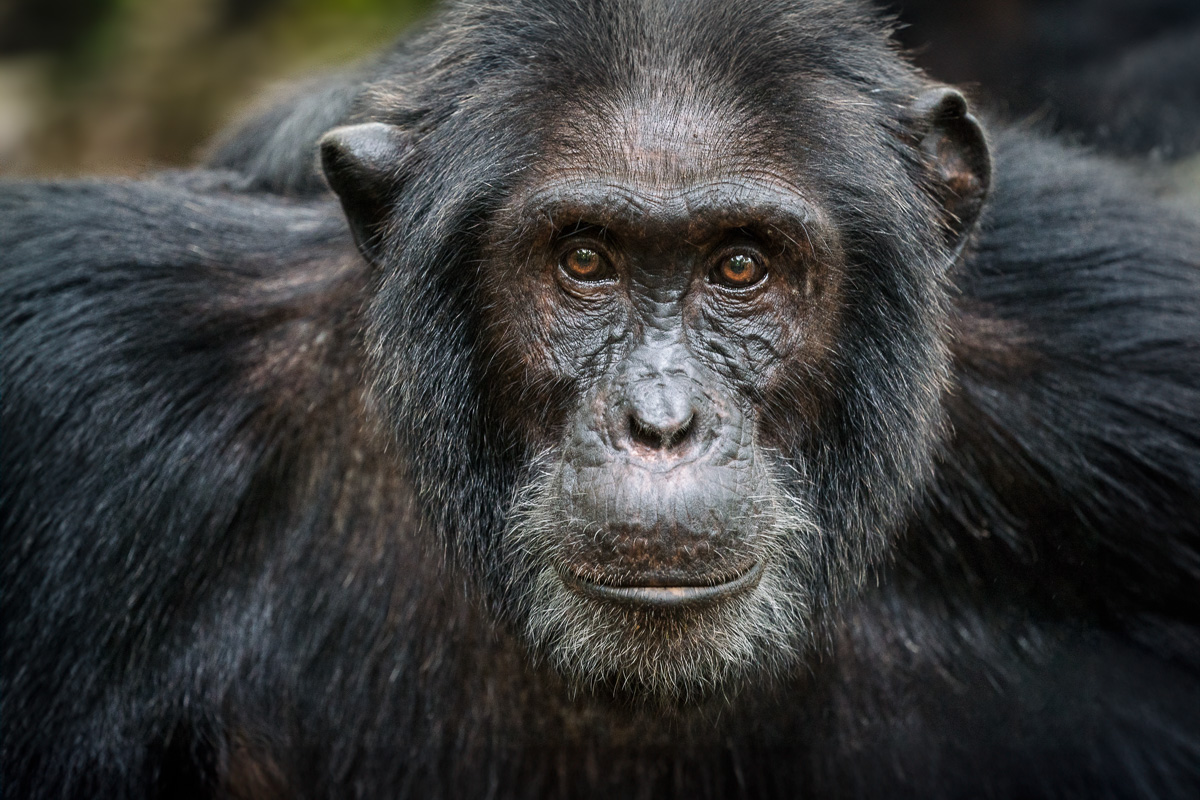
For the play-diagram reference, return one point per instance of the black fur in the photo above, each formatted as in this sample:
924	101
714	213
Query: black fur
223	576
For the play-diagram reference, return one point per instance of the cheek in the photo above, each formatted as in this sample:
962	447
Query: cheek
512	356
583	344
536	355
778	352
749	344
802	386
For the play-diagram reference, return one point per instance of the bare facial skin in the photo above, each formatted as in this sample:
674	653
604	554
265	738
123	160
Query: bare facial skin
666	284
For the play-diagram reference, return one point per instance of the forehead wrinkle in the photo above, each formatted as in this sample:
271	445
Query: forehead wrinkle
637	159
730	201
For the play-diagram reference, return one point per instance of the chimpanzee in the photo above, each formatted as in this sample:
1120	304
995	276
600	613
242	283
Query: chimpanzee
1122	76
670	400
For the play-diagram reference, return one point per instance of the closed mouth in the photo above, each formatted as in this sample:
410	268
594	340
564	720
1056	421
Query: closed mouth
666	596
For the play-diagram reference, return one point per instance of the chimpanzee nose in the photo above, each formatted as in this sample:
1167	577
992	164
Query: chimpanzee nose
657	405
662	417
662	428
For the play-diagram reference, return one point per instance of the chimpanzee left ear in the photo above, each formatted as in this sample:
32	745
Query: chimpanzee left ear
955	149
362	164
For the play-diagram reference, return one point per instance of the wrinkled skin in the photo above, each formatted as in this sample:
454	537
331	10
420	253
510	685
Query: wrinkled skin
662	473
646	301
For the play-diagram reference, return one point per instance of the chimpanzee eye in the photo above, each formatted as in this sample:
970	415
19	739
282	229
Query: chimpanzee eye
739	271
585	264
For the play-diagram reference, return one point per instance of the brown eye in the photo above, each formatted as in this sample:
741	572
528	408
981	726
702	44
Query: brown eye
740	271
585	264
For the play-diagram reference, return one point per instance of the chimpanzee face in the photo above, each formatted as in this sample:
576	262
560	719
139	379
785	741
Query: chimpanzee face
722	363
645	297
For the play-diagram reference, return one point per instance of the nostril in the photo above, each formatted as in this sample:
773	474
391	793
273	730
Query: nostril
661	436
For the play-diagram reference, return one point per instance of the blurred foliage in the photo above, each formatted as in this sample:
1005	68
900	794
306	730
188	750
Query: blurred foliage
121	86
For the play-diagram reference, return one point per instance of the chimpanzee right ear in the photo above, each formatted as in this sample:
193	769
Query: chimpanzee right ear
361	163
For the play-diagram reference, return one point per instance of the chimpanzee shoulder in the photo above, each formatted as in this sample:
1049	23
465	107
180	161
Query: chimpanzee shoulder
1066	488
178	365
1081	291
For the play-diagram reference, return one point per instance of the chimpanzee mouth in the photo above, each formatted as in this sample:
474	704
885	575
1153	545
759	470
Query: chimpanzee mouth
654	593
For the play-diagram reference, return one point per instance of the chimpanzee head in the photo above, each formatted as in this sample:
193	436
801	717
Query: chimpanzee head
661	316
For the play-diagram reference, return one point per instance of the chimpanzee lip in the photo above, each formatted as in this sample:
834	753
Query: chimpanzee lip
665	595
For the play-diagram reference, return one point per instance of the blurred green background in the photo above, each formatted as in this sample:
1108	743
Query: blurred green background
122	86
